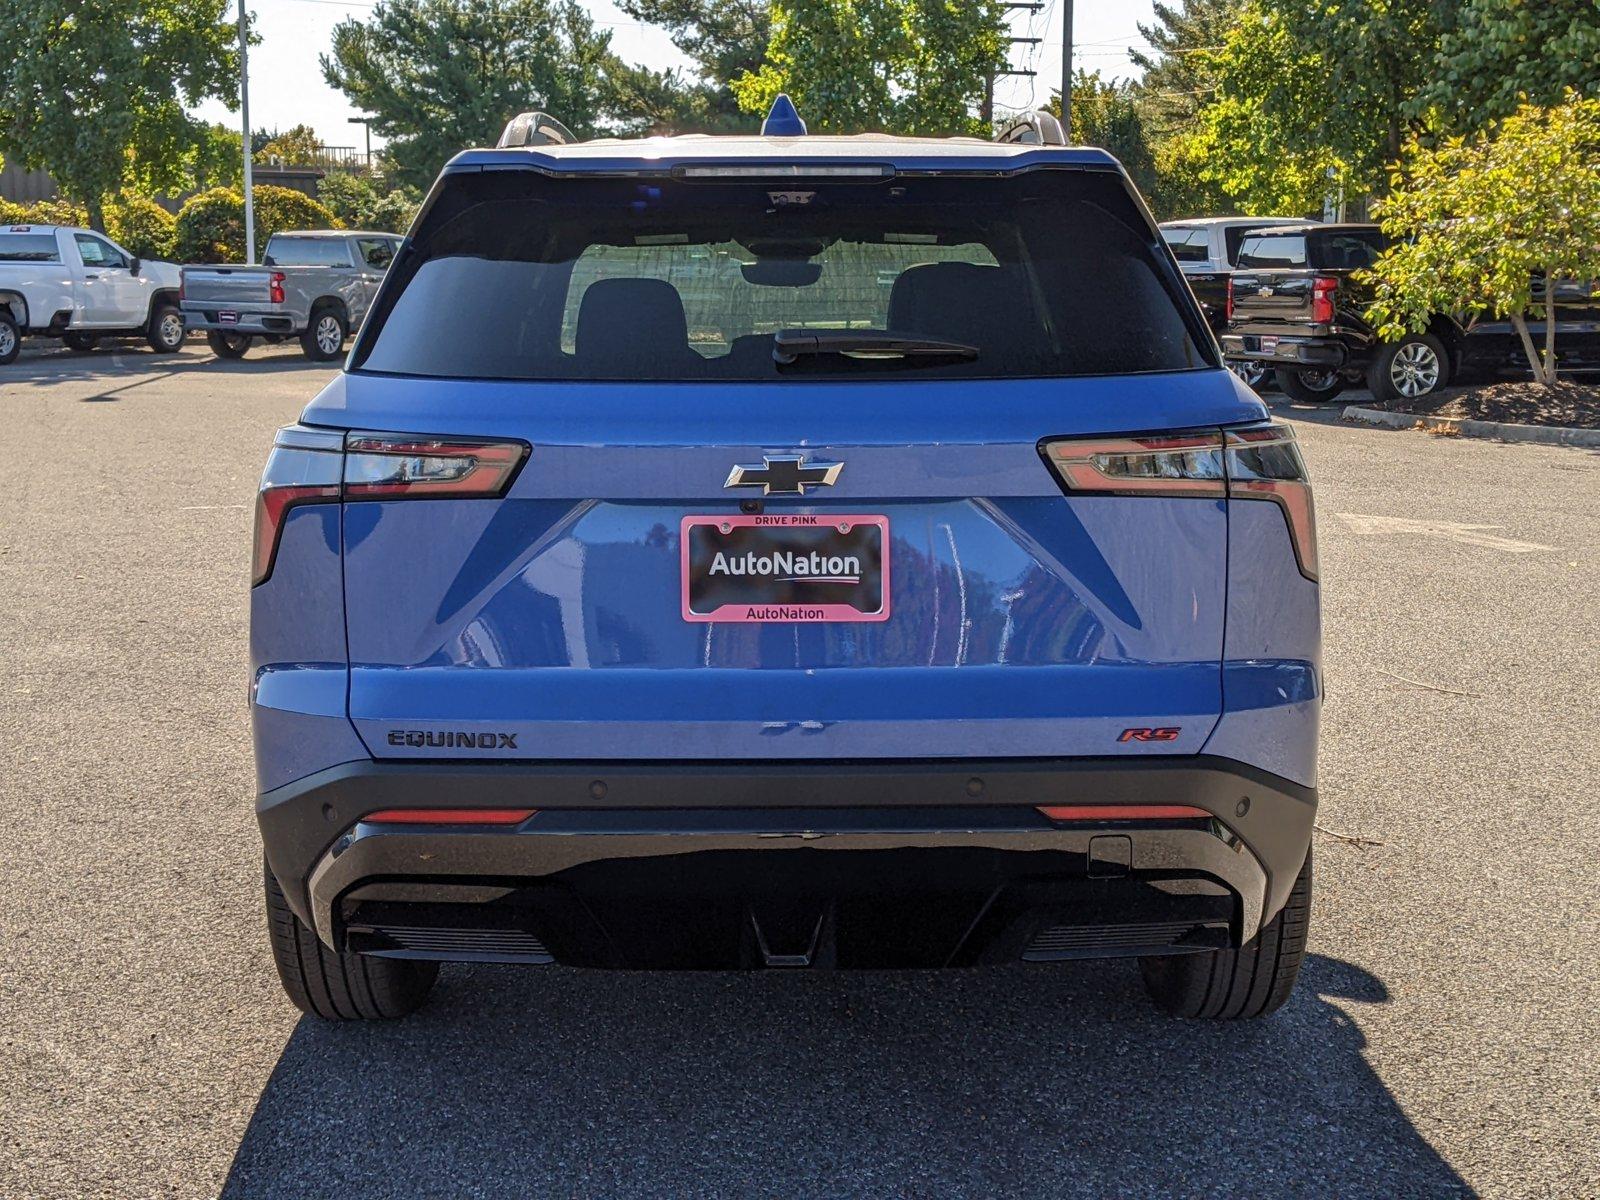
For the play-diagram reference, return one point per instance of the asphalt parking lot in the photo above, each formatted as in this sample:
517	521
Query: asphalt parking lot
1443	1040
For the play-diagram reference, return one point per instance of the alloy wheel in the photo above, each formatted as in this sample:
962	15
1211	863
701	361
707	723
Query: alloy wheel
329	335
171	330
8	340
1414	370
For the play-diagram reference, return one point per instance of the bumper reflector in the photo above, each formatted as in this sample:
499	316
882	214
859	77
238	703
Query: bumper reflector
449	816
1123	812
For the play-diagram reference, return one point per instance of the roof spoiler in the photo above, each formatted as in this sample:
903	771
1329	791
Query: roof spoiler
535	129
1037	128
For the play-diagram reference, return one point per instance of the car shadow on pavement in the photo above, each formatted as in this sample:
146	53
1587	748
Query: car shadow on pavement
1012	1081
127	367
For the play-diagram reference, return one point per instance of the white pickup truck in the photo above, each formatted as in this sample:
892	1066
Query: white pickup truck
80	286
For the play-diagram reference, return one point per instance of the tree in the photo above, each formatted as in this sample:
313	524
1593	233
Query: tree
359	203
441	75
1177	75
97	94
724	38
298	146
1493	222
910	66
210	226
1497	54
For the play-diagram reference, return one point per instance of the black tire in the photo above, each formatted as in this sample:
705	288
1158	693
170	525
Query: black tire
1308	386
165	332
10	338
1415	366
1228	985
324	335
227	345
81	343
340	987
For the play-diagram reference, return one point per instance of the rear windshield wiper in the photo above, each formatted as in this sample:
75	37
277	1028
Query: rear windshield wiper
789	344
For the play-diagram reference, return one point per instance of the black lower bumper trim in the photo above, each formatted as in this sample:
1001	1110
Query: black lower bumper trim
600	805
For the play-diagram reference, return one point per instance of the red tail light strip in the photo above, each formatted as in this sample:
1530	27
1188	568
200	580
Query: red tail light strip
1123	812
449	816
272	503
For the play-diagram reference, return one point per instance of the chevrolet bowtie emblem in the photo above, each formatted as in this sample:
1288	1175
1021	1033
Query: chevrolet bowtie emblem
784	475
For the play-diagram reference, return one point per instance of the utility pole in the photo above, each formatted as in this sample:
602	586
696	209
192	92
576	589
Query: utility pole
1066	68
244	116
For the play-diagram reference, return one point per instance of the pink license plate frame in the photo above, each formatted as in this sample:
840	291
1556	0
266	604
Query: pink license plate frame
784	613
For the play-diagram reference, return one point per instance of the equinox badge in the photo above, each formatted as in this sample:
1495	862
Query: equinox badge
784	475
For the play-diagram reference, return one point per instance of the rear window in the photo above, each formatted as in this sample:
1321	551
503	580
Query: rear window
28	247
517	276
1345	249
1188	245
1273	251
307	252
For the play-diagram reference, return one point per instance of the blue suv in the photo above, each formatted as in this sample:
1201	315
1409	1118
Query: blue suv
785	552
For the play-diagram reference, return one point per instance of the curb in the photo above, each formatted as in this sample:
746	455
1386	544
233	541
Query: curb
1505	431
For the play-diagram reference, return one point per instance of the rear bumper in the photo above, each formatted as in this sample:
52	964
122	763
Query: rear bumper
205	317
1288	351
726	864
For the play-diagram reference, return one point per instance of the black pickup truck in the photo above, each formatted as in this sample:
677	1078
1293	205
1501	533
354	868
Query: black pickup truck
1298	308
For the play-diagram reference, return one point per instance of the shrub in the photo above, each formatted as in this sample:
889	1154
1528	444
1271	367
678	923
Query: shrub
210	227
43	212
141	227
359	203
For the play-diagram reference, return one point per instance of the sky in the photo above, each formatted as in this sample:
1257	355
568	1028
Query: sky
287	89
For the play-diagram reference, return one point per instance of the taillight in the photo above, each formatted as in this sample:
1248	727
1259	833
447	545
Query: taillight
1258	462
1228	304
407	465
316	466
275	286
1322	289
1264	463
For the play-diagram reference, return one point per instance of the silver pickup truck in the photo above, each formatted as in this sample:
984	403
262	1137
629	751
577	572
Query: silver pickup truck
315	285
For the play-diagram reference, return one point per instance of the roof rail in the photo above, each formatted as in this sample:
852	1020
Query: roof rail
1037	128
535	129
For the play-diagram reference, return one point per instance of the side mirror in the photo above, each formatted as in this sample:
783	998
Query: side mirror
134	265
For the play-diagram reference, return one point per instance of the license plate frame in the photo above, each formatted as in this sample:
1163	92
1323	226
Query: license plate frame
830	536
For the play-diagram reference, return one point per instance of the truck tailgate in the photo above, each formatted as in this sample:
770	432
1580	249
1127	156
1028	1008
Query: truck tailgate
226	285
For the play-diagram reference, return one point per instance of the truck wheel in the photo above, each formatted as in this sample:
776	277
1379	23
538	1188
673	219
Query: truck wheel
1254	372
1251	981
1416	365
165	331
228	345
323	339
10	338
1308	386
340	987
80	342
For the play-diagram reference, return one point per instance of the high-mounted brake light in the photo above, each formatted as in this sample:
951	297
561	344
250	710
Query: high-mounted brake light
1256	462
785	171
449	816
1322	289
1228	303
275	286
317	466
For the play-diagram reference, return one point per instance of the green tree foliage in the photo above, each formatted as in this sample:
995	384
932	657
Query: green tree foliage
907	66
1479	223
299	146
1497	54
97	94
1177	78
359	203
210	227
141	227
724	38
442	75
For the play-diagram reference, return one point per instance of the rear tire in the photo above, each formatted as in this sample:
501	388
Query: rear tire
323	339
165	332
1308	386
340	987
10	339
228	345
1411	368
1252	981
80	343
1256	374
